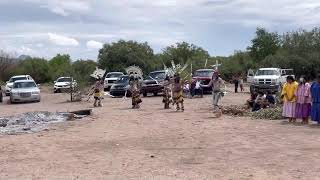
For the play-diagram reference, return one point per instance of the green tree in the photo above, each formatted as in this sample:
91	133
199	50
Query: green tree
237	64
119	55
186	53
38	68
82	70
264	44
60	65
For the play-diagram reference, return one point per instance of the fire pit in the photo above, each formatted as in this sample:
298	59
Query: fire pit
36	121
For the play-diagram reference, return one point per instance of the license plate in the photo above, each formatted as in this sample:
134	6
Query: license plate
25	94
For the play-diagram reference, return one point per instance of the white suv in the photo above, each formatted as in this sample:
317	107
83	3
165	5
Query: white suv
111	78
9	83
64	83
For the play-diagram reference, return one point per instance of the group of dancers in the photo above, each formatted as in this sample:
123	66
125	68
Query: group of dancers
172	92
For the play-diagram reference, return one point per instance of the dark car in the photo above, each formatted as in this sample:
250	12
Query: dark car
151	85
120	87
205	76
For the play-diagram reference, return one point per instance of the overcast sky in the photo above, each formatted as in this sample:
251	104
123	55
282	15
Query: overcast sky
80	27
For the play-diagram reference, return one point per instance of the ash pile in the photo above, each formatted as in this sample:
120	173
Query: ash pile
31	122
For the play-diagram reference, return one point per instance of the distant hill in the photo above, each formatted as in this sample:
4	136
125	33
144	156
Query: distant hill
23	57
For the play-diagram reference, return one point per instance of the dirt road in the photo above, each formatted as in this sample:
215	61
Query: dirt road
151	143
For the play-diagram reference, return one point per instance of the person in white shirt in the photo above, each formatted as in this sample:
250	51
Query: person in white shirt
198	88
217	84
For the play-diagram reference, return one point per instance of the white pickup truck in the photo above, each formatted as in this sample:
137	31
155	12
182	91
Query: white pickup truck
268	79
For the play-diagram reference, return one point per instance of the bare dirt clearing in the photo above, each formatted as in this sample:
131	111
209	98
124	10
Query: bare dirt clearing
151	143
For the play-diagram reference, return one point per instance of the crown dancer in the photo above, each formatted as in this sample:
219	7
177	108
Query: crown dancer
178	92
135	87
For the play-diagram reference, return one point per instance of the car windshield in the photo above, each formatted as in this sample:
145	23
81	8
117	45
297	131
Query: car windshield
266	72
24	85
113	75
149	78
203	73
288	72
123	79
158	75
14	79
64	80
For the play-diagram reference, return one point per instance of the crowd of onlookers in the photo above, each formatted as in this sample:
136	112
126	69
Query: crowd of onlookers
194	88
301	100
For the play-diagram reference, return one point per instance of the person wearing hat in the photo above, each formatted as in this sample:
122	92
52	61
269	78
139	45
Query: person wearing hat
217	84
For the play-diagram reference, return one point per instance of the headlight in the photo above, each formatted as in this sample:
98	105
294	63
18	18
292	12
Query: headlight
256	80
127	87
14	93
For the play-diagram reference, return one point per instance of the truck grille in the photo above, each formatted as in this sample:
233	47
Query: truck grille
206	82
111	81
265	81
151	83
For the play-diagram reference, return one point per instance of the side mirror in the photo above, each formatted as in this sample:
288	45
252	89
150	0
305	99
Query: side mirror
54	82
38	85
7	82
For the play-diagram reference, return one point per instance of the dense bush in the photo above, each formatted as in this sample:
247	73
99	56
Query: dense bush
299	50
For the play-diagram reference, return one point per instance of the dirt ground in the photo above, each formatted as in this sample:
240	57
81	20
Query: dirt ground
152	143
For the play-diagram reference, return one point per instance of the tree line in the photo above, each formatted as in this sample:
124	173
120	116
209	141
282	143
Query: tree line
299	50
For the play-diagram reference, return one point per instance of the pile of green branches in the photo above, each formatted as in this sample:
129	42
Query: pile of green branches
269	113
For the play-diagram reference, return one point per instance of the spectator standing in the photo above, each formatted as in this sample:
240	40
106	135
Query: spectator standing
303	94
236	83
315	94
289	98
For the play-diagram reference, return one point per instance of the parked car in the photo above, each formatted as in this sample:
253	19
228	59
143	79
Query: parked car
268	79
204	75
151	85
1	97
9	83
24	91
158	75
111	78
120	87
64	83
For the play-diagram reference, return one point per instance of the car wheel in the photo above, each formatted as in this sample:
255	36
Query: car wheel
155	94
11	102
145	94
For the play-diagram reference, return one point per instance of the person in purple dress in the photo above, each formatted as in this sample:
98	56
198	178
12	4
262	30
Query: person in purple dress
315	94
303	106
